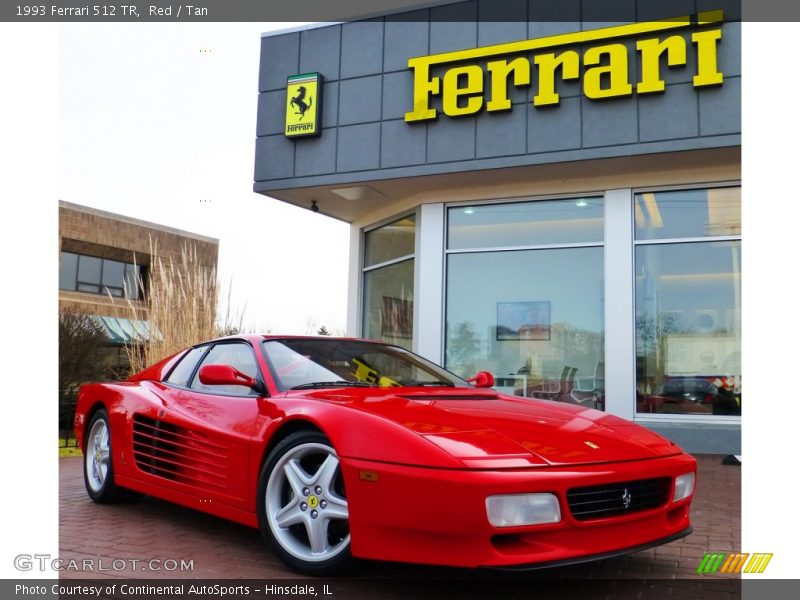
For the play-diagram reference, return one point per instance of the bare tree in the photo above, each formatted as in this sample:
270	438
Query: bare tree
80	344
311	325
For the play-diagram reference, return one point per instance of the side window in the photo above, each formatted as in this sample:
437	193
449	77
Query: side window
237	355
183	370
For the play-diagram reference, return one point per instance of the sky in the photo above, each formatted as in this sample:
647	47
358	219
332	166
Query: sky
161	127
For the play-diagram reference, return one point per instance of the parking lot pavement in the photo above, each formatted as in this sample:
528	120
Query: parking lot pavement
150	529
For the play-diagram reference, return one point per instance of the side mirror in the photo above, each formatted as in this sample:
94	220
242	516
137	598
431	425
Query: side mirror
228	375
483	379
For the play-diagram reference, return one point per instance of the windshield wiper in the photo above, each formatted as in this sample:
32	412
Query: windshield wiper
325	384
428	383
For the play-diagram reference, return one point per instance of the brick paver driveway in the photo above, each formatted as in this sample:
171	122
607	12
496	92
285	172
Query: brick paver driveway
152	529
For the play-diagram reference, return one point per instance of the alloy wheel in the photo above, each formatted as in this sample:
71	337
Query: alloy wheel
305	503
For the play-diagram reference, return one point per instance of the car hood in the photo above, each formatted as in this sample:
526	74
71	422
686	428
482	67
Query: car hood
484	429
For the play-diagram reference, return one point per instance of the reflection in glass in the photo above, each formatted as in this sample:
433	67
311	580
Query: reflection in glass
113	273
391	241
238	356
183	371
133	281
67	271
89	269
534	318
688	328
325	362
389	303
99	276
573	221
688	213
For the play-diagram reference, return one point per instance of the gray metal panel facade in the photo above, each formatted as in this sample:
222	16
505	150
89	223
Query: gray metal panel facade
368	88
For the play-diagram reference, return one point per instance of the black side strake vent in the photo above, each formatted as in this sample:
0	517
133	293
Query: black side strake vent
183	455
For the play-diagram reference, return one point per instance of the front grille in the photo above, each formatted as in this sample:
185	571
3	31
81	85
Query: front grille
612	499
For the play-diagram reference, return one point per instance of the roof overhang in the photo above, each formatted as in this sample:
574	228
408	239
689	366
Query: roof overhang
352	198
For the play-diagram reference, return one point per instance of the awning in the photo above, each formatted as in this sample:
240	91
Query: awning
123	331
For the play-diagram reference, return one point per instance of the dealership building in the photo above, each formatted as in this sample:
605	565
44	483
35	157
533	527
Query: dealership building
544	190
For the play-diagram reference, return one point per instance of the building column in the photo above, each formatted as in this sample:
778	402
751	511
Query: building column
429	283
620	336
354	283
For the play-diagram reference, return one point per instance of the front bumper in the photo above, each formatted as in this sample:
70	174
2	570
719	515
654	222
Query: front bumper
592	557
438	516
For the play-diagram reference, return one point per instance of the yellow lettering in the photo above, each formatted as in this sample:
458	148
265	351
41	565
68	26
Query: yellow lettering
547	64
617	70
706	42
603	68
651	51
472	91
500	70
424	87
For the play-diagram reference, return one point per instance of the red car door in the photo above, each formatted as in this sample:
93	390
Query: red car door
204	431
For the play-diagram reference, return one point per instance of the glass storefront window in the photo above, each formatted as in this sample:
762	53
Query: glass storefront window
534	318
390	242
388	306
688	213
544	222
389	303
688	306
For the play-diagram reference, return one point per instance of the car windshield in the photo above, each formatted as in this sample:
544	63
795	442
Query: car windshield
298	363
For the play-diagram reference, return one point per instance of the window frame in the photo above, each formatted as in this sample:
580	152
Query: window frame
599	195
672	417
282	389
104	289
209	346
447	251
363	269
184	356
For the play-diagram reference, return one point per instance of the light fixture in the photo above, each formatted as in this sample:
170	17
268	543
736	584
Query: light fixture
512	510
684	486
656	222
469	210
357	192
581	203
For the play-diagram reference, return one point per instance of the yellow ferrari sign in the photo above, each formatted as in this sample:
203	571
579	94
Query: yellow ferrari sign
468	81
303	103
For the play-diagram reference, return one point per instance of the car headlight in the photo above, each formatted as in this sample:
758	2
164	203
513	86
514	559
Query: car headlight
684	486
522	509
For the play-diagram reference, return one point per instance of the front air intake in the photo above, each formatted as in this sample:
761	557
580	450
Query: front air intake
614	499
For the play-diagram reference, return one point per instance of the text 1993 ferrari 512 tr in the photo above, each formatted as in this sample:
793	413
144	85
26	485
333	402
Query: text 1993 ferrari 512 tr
339	449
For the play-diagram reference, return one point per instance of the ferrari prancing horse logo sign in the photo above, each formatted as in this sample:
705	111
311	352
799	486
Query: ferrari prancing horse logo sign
303	104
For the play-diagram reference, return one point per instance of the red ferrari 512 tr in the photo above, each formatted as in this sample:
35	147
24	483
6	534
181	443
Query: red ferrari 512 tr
338	449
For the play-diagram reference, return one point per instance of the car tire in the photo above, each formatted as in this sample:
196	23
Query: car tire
98	467
302	508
